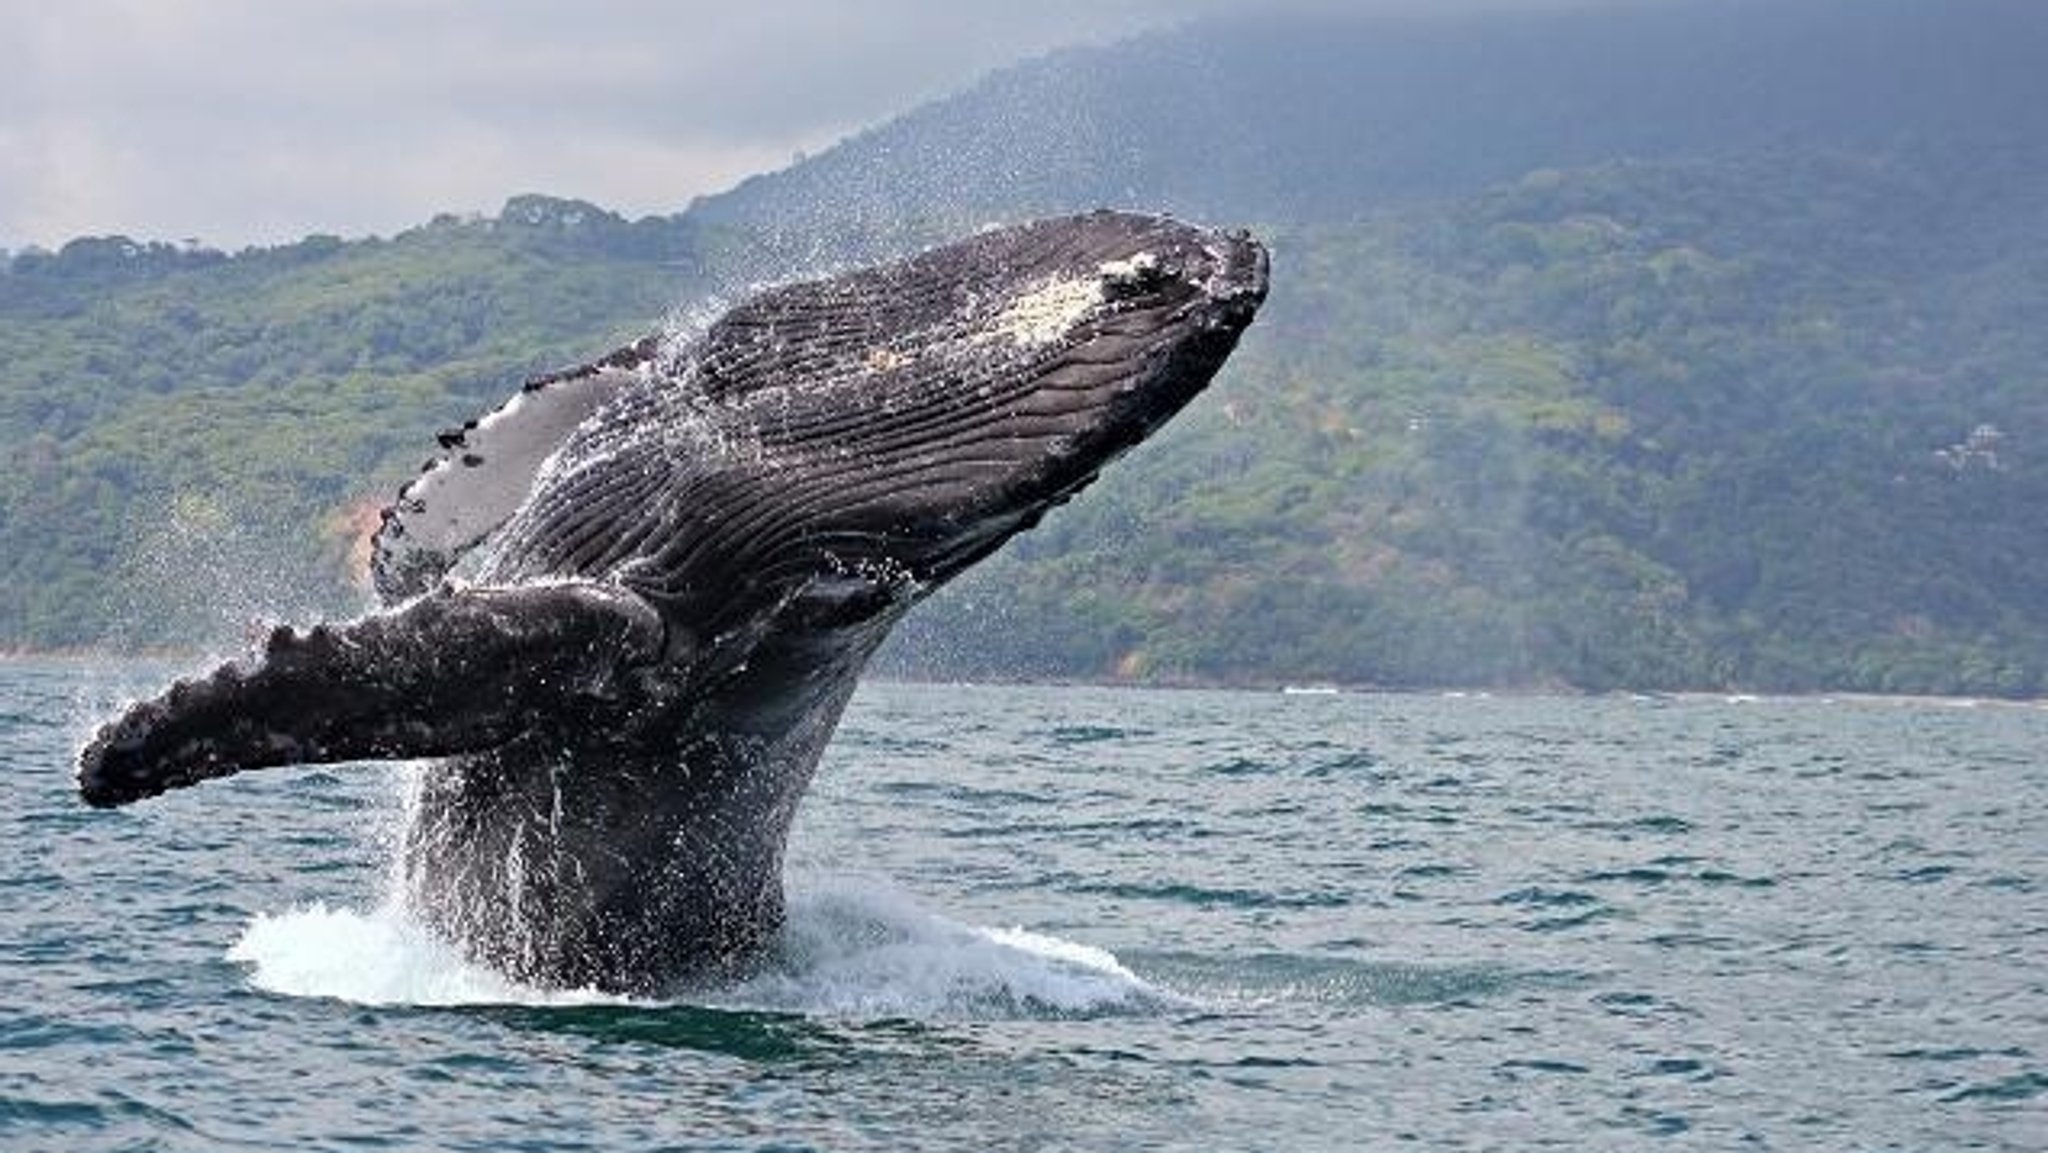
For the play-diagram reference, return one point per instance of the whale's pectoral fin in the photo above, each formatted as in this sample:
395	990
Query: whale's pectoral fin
451	672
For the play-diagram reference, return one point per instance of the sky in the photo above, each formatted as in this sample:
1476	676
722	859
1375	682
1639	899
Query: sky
238	122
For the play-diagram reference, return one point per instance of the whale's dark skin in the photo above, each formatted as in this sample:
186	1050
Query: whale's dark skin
682	558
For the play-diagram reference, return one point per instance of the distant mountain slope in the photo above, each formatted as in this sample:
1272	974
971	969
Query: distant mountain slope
1321	119
1772	423
1680	345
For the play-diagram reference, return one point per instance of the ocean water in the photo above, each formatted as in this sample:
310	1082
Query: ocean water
1068	918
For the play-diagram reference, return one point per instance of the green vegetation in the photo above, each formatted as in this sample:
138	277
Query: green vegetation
1756	408
1647	426
242	408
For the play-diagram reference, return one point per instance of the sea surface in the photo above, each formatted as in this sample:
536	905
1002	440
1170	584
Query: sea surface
1072	918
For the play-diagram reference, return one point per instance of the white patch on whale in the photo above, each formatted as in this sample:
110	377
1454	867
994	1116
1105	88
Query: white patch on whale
1048	312
1134	267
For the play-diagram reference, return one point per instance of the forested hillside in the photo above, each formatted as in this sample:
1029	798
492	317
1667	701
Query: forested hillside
1686	346
192	436
1766	422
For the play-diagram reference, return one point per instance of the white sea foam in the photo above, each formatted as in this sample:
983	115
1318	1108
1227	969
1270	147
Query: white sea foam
376	958
854	950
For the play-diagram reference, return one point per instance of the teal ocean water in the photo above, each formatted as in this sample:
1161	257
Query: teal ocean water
1065	918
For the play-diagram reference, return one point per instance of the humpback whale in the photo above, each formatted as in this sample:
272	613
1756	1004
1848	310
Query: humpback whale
623	612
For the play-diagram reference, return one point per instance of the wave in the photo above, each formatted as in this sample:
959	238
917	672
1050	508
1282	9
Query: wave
851	950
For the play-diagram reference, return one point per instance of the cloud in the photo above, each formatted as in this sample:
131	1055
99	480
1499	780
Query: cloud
243	121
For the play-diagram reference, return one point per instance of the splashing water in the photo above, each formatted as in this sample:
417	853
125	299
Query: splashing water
683	323
856	949
207	573
378	958
851	950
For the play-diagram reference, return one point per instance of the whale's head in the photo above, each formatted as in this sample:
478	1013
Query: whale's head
931	409
1100	343
845	445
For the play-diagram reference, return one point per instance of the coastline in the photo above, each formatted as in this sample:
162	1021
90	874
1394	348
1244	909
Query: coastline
1307	688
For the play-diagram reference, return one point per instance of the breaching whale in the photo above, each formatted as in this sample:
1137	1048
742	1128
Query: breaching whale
678	559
